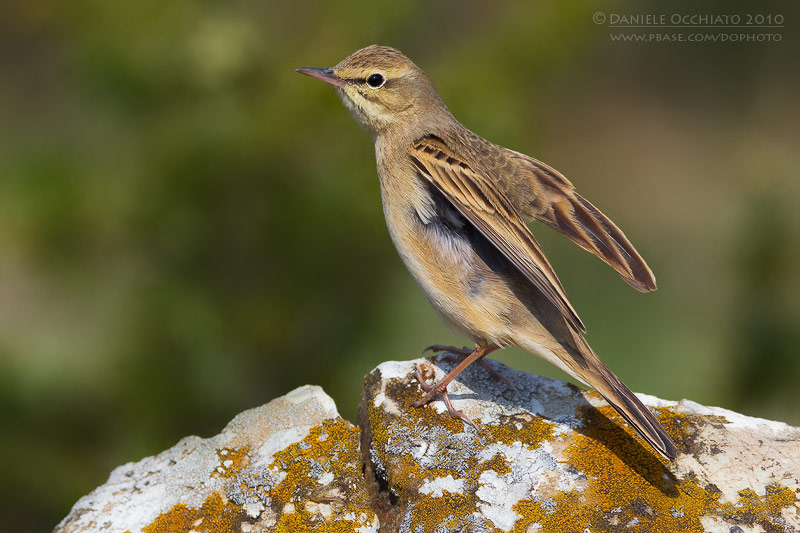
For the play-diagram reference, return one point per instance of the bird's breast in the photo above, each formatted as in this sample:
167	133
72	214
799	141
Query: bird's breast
442	251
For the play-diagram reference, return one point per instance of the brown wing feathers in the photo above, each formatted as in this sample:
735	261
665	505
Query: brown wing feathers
555	203
491	213
552	201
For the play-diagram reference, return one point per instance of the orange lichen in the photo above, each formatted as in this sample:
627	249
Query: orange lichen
403	471
623	484
216	514
302	520
231	461
449	511
497	463
629	488
406	472
531	512
750	508
322	473
329	447
533	430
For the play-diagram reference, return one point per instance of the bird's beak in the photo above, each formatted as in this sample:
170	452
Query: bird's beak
324	74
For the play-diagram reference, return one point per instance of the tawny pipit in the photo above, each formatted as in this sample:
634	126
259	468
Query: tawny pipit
455	204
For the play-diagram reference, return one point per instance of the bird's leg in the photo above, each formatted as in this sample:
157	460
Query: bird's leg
466	352
431	389
440	388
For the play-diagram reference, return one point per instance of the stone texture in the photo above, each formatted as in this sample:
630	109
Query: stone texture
290	465
549	456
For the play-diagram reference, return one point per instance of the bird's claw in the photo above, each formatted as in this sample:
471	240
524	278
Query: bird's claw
495	375
432	392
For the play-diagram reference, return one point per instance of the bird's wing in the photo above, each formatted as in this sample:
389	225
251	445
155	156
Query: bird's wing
487	208
553	201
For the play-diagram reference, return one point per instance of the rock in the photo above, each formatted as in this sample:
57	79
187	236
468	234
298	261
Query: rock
549	456
290	465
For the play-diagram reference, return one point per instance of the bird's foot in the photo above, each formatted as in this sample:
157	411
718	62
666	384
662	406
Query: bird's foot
439	389
454	354
494	374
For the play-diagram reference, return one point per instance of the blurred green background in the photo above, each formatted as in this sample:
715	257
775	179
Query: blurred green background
188	228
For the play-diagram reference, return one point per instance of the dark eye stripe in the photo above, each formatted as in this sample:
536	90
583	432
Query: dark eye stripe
364	81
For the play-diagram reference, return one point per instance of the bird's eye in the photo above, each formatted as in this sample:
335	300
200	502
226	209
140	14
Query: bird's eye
375	81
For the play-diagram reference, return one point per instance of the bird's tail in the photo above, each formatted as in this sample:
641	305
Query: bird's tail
598	376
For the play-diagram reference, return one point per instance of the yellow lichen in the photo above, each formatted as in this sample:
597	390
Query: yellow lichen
449	510
532	430
751	508
330	448
231	461
405	474
628	487
303	520
216	514
531	512
497	463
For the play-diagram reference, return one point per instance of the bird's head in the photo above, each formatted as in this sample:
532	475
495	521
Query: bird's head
382	88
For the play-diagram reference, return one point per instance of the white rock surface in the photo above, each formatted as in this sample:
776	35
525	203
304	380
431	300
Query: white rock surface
551	457
291	461
547	457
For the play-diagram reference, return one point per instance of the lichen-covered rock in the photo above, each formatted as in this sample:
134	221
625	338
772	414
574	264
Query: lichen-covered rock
291	465
549	456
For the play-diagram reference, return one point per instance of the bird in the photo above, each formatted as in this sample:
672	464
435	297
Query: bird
457	208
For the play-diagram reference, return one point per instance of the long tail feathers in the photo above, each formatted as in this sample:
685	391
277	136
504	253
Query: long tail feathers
630	408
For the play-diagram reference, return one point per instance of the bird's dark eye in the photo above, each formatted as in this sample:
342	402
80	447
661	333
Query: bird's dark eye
375	81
